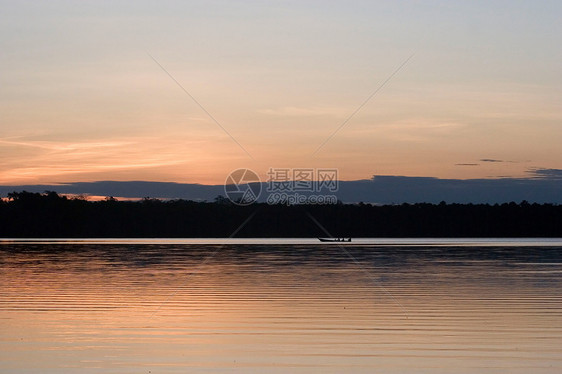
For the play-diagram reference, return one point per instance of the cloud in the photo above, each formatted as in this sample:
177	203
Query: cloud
201	119
291	111
53	159
177	156
64	146
551	174
32	173
490	160
509	161
381	189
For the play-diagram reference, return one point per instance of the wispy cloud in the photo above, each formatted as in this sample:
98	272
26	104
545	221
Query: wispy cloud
418	125
33	173
540	173
490	160
30	160
293	111
63	146
412	130
198	119
53	159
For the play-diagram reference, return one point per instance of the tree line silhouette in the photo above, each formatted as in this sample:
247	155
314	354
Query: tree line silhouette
26	214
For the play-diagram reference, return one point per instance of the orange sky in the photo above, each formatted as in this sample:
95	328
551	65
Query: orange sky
83	101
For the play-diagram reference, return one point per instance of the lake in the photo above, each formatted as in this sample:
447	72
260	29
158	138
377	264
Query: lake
281	306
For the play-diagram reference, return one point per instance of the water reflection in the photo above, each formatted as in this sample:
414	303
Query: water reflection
305	308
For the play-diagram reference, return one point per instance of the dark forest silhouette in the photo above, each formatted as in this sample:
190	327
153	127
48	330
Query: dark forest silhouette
49	214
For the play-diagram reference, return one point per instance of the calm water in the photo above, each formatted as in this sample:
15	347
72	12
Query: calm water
169	306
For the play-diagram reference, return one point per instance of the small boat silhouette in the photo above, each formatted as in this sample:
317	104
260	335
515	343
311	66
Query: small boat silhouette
334	239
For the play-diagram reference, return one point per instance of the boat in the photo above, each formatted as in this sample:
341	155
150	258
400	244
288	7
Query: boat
334	239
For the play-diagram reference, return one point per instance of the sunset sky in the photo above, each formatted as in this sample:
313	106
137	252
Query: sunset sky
82	100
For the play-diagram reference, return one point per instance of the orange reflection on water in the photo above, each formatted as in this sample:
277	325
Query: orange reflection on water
279	308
